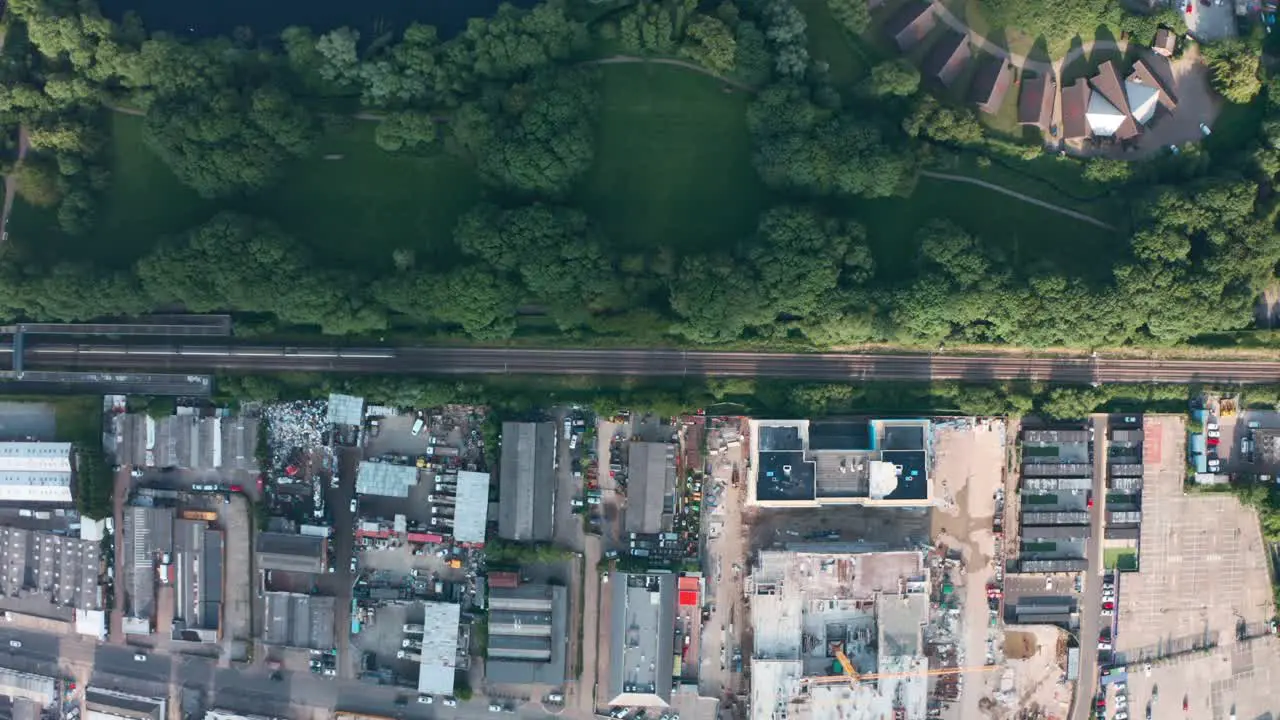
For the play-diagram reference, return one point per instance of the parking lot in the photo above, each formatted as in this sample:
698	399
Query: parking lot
1203	577
1209	19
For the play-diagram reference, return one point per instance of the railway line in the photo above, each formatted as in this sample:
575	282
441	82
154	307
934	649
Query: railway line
131	355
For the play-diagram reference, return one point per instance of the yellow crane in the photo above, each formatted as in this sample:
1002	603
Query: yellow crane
852	677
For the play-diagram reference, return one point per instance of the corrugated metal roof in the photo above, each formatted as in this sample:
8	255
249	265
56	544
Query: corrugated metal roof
471	511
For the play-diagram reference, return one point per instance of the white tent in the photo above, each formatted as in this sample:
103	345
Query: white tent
1103	117
1143	100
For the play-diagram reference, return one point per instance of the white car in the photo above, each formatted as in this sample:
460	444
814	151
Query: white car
1122	700
495	707
555	698
353	504
604	577
1107	613
15	643
1122	715
1204	130
1214	434
449	702
1104	646
139	657
425	699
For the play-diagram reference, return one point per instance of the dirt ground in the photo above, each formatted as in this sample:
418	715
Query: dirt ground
969	467
1033	682
726	559
1020	645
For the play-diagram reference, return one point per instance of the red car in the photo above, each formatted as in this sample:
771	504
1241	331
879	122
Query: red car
1213	441
1108	606
237	488
1090	503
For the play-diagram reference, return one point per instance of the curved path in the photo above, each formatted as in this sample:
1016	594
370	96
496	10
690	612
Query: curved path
1024	198
676	62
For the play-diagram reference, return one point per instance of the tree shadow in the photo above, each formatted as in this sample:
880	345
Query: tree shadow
1040	51
1104	46
1078	67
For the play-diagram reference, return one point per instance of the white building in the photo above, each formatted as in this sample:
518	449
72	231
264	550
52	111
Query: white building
33	472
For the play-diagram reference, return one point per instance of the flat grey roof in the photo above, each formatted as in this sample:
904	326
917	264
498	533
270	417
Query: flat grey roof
189	441
652	477
643	634
148	533
471	511
527	647
197	582
388	479
292	553
39	689
527	482
300	621
439	651
346	410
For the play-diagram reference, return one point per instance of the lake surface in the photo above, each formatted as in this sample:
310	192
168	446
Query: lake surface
207	18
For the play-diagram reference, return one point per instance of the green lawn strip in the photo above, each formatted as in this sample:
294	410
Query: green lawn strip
354	203
1027	234
1236	126
673	161
1120	558
1049	178
354	208
830	42
143	203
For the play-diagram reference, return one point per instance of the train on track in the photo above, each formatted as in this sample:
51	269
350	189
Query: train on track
65	349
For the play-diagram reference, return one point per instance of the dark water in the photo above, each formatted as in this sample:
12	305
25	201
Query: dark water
206	18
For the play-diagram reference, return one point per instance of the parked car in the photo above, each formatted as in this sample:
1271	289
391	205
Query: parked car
139	657
555	698
353	504
1204	129
425	699
449	702
495	707
15	643
1104	646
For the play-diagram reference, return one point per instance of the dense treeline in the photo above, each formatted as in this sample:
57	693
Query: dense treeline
515	96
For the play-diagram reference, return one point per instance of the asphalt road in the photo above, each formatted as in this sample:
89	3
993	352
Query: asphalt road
1091	599
249	690
195	357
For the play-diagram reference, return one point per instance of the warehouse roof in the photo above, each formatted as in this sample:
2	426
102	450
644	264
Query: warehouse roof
39	689
527	644
652	476
439	651
527	482
148	533
292	553
345	409
20	486
300	621
389	479
471	512
641	644
35	457
63	569
197	579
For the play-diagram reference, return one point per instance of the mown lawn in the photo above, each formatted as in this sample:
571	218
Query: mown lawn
1026	234
673	161
362	203
354	208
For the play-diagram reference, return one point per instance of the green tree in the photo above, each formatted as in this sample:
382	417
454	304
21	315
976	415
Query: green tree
538	139
944	124
853	15
38	181
716	299
405	130
1234	68
710	43
1107	171
228	141
894	77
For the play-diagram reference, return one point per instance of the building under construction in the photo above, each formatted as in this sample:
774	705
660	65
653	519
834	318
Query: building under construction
818	616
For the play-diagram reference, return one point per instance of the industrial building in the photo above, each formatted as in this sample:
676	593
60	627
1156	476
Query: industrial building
471	509
528	633
642	639
148	537
1054	499
298	621
103	704
64	570
798	463
527	482
438	659
35	472
39	690
806	607
188	440
385	479
291	553
197	578
651	470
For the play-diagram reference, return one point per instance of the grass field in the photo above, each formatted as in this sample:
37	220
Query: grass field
1125	559
1026	234
352	210
673	161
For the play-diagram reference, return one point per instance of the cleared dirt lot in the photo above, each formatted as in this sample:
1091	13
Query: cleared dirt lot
1203	573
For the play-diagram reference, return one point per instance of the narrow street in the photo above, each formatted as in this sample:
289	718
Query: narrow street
1091	602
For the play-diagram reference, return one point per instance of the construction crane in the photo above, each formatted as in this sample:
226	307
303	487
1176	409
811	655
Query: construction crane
853	678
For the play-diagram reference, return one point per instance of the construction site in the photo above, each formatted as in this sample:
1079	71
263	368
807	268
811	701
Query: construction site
846	636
